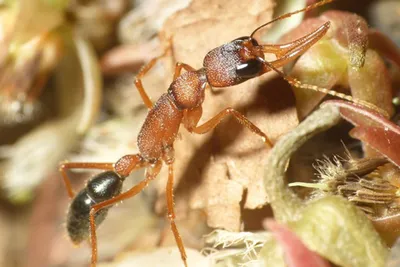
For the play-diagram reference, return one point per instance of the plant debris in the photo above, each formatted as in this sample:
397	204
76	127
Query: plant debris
331	226
349	56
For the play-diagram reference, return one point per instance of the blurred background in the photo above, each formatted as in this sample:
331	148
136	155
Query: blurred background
67	92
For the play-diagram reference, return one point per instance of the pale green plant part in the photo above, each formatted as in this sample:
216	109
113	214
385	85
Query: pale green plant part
330	226
349	56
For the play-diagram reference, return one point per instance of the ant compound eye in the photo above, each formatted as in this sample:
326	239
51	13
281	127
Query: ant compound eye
249	69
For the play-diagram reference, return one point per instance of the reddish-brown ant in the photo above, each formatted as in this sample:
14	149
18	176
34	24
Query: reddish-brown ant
230	64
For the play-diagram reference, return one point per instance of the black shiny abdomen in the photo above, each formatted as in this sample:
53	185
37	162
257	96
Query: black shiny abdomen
103	186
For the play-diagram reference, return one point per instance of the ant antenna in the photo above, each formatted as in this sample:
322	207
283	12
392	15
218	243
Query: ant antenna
296	83
307	8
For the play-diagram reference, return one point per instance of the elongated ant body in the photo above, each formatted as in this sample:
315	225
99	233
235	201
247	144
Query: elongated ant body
230	64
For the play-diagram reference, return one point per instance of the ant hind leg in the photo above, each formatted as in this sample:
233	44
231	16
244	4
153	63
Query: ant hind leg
213	122
123	167
80	165
151	173
171	212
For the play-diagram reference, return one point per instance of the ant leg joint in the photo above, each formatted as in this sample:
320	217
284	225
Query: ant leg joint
62	165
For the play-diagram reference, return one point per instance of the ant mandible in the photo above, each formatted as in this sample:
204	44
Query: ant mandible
227	65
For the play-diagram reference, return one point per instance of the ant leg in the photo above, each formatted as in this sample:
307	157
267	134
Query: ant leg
171	212
213	122
296	83
124	166
140	75
151	173
178	69
80	165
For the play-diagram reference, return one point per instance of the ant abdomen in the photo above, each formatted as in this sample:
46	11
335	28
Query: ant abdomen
103	186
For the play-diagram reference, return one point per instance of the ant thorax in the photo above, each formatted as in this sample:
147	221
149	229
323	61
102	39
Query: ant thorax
188	89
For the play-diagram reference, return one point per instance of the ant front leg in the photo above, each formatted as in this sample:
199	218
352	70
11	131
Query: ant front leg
138	80
296	83
171	212
178	69
151	173
191	118
80	165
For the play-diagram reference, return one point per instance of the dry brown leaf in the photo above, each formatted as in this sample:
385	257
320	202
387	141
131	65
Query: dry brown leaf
215	169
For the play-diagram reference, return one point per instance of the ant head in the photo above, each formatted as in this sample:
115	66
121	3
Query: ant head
243	58
234	62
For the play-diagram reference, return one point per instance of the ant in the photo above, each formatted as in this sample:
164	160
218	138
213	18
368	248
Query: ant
227	65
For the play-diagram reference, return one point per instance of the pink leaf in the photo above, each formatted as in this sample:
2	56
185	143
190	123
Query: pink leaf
296	253
372	128
383	140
